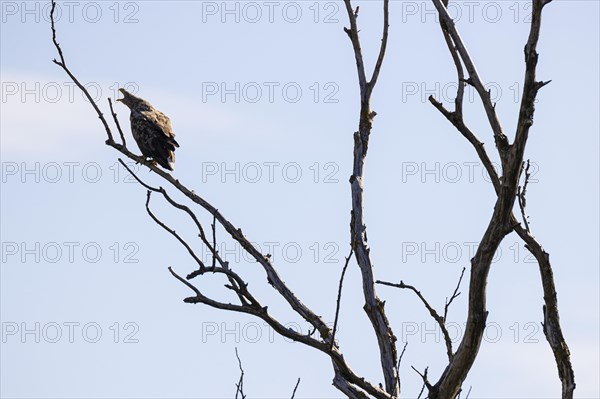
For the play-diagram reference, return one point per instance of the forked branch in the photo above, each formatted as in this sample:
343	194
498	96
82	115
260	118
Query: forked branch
507	189
441	321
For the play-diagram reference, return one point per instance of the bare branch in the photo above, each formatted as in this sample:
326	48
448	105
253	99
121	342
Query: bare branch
295	388
455	294
202	234
440	320
256	310
448	26
146	186
402	353
239	387
384	40
63	65
398	366
456	119
426	382
173	233
374	308
366	86
551	324
530	85
188	284
353	35
339	298
114	115
468	392
421	391
460	91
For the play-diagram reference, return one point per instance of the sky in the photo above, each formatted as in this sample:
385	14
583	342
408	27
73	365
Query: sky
263	97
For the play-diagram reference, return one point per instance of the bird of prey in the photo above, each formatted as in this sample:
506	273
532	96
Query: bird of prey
151	130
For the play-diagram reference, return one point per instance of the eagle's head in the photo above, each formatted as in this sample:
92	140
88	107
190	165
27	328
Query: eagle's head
129	99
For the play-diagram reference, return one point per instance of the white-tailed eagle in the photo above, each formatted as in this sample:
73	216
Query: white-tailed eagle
151	130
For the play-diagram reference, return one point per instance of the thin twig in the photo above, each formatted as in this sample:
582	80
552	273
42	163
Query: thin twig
173	233
398	366
469	392
440	320
360	65
384	40
240	385
114	115
402	353
295	388
63	65
185	282
425	380
146	186
214	236
339	298
455	294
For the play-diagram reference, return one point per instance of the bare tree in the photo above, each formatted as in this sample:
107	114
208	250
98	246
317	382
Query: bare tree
507	187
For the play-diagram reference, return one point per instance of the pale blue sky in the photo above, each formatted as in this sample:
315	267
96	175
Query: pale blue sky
64	198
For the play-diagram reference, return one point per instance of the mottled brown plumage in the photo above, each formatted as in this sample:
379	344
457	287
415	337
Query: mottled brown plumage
151	130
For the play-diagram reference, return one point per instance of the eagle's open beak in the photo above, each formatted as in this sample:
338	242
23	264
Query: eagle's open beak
124	93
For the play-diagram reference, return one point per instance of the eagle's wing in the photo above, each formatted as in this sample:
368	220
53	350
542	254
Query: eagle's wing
162	123
153	134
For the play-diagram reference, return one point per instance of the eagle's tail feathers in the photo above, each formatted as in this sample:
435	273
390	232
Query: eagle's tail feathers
165	163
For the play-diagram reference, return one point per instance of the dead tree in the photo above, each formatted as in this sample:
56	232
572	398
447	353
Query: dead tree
507	186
